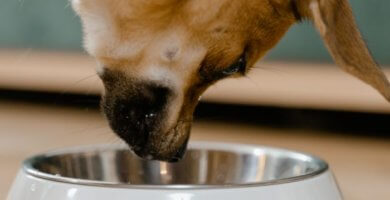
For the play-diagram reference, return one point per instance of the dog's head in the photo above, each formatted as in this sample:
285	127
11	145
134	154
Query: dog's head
157	57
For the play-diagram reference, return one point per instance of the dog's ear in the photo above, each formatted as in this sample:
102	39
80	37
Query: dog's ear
336	24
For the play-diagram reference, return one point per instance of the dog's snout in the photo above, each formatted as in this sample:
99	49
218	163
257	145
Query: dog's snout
180	152
135	113
144	114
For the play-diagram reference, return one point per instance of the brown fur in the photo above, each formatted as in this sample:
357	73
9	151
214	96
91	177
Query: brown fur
225	29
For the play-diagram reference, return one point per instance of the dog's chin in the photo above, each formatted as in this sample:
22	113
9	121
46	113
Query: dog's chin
169	146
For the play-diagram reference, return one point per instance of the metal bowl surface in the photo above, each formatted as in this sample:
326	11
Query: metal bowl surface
204	165
209	170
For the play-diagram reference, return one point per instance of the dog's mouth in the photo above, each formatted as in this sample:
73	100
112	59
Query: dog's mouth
170	146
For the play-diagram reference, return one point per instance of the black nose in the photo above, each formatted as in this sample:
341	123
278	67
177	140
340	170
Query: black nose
135	112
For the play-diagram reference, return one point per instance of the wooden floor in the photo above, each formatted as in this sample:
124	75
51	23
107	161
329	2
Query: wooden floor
361	165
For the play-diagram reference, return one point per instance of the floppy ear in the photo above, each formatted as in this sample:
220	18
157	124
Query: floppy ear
336	24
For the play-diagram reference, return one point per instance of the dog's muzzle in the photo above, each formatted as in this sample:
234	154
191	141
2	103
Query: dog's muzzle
137	112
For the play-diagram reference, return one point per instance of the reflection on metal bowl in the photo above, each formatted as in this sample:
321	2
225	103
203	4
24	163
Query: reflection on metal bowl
208	171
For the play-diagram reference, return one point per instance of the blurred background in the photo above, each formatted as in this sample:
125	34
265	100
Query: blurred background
295	98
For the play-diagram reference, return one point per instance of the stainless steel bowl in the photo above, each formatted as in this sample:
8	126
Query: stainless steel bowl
206	166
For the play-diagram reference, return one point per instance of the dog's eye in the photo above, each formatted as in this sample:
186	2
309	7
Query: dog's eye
208	75
237	67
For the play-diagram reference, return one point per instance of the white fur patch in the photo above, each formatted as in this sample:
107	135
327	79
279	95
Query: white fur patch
123	50
97	26
161	75
99	68
75	5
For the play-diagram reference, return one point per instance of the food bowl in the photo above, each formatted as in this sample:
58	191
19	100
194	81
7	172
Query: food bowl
209	170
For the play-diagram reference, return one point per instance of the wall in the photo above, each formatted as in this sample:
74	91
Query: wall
51	24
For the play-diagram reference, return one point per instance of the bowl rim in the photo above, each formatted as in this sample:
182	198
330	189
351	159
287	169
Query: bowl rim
222	146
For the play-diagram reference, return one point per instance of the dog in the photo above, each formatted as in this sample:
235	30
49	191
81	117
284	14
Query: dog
157	57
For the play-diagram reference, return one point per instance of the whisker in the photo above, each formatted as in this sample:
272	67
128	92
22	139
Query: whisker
68	88
268	69
79	81
89	90
251	80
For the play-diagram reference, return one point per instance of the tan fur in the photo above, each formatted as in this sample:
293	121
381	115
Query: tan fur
194	39
336	24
